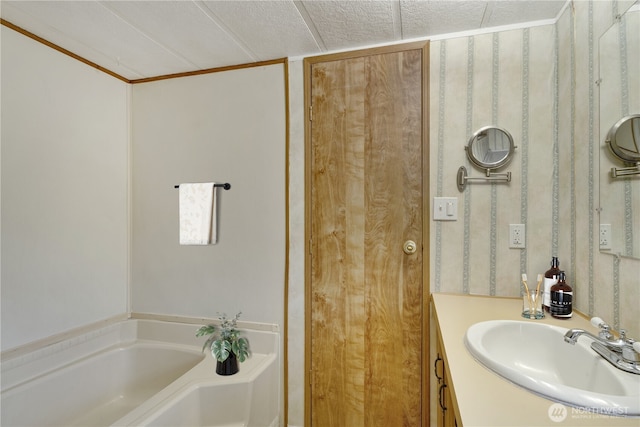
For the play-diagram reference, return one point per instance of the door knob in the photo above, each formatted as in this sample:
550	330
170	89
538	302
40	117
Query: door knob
409	247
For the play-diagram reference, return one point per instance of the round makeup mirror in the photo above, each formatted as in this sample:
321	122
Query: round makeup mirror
624	139
489	148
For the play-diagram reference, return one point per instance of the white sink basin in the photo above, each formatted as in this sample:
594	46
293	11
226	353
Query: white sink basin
535	356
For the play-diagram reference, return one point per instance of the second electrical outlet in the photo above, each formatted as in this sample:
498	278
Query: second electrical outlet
516	236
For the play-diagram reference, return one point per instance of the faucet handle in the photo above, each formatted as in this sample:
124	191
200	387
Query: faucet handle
604	328
598	322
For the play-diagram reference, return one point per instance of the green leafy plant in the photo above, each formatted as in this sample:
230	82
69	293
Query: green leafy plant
225	339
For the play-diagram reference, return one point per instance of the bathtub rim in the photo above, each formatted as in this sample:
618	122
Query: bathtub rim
8	355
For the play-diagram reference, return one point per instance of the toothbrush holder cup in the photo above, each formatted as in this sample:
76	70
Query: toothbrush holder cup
532	305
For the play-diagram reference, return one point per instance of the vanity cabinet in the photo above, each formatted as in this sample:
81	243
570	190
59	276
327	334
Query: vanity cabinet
446	404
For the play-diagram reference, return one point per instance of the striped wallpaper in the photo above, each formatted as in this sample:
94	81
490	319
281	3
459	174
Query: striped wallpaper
539	84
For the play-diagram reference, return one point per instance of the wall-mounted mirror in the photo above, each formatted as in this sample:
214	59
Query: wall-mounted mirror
489	148
619	63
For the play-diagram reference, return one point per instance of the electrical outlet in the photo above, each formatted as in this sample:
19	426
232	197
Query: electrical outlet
516	236
605	237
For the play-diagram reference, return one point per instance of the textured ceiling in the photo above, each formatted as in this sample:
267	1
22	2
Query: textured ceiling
142	39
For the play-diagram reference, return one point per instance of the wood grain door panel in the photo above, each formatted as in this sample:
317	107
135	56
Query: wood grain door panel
366	201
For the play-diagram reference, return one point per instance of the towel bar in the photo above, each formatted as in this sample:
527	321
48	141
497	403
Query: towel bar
226	186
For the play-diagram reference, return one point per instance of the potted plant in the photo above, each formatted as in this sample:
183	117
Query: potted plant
226	344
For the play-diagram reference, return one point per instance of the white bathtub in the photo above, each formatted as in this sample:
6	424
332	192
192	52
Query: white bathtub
138	372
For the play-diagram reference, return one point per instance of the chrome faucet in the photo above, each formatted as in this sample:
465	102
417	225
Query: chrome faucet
623	353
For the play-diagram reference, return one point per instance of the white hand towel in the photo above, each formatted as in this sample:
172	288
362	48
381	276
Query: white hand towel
198	214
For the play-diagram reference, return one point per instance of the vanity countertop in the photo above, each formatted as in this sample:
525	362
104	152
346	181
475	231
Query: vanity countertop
483	397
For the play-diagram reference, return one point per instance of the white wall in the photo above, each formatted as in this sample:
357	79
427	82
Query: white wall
65	178
64	192
225	127
297	246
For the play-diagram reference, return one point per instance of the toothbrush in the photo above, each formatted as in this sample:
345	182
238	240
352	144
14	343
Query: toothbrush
524	282
538	287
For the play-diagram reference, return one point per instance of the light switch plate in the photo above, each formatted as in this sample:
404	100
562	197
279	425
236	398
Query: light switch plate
445	208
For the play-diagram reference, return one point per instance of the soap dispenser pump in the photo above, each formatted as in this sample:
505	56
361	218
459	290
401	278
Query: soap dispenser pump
561	298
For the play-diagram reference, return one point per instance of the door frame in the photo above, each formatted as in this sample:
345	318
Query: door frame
308	63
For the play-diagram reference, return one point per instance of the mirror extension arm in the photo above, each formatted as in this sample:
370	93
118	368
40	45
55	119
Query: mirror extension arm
462	177
630	170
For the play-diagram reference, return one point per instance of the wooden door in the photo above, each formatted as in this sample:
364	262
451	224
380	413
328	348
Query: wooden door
365	315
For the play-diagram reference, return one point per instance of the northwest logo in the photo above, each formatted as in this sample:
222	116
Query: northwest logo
557	412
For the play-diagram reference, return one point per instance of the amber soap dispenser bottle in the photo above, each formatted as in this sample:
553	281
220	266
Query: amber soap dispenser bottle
561	298
550	279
